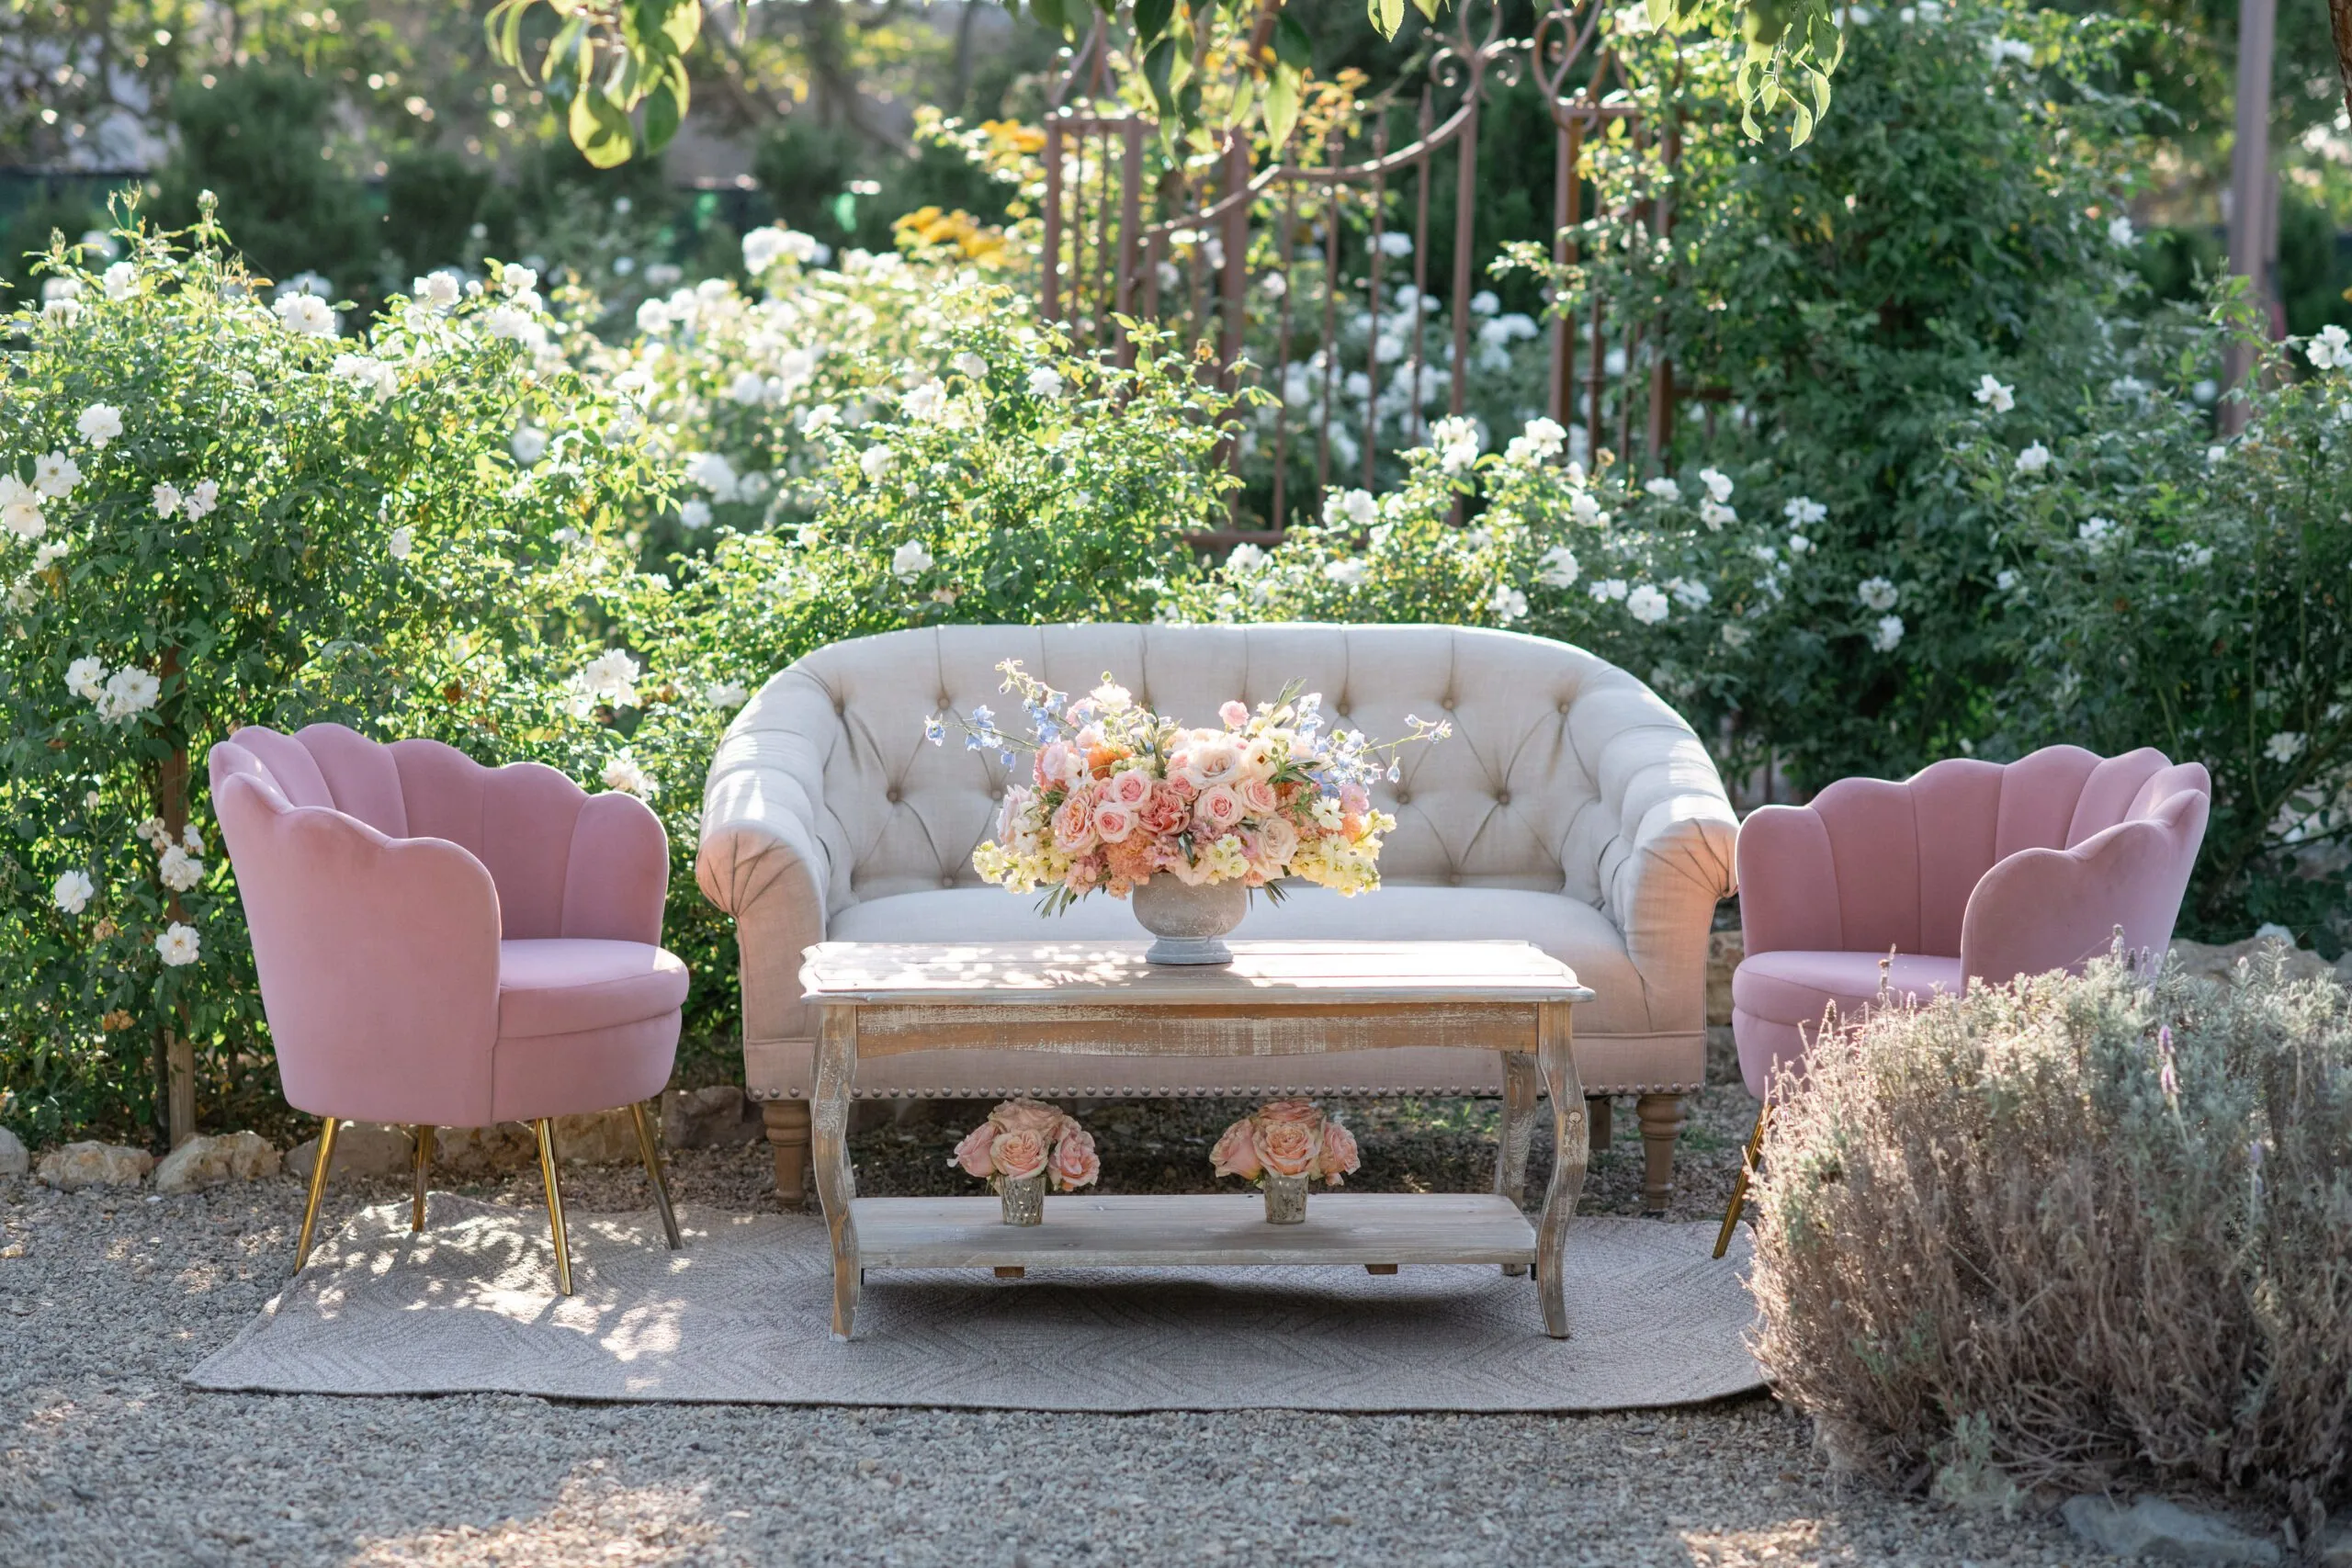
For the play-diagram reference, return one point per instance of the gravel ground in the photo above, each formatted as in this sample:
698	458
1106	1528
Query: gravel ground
106	1300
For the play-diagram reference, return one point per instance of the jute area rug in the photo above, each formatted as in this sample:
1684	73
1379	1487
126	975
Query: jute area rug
743	1315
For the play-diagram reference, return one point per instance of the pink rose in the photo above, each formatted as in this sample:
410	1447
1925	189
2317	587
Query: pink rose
1234	715
1258	797
1075	1164
1130	787
1028	1116
1218	808
1016	801
1074	825
972	1154
1353	800
1286	1148
1237	1152
1019	1155
1114	822
1168	810
1303	1112
1085	872
1340	1157
1277	842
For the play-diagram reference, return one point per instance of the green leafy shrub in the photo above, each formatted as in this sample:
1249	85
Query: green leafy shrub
2097	1233
2158	586
217	512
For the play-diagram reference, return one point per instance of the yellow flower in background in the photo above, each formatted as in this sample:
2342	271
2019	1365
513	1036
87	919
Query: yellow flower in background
931	226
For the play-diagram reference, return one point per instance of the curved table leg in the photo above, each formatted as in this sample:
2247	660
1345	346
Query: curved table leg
836	1183
1556	1055
1518	1132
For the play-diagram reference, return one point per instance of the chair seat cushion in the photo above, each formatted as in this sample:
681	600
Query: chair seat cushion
1569	929
567	985
1793	988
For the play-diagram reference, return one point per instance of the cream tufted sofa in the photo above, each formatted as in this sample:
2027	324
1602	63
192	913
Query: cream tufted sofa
1572	808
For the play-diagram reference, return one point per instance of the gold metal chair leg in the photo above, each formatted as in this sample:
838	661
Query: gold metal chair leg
424	1167
546	1129
646	1146
327	1125
1739	1187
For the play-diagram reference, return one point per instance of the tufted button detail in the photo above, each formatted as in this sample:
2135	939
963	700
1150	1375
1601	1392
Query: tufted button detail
840	707
1454	879
1502	798
891	795
1564	704
1402	797
1447	704
948	880
1342	709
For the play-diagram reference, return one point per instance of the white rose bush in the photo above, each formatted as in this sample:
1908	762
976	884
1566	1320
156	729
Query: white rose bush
218	512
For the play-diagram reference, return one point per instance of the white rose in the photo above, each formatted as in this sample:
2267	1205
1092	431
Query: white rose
85	677
528	443
1045	382
399	542
1558	569
623	774
177	944
122	280
99	423
909	562
2036	458
694	514
55	476
875	461
1886	633
178	870
306	314
1646	604
71	890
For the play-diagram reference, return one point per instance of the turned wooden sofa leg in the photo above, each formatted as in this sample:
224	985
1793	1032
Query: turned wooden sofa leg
1661	1118
787	1123
1596	1118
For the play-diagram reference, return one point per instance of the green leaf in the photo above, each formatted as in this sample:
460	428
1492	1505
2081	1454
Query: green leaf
1291	45
1158	61
599	128
665	108
1661	13
1151	19
1281	105
1386	16
1051	16
1427	8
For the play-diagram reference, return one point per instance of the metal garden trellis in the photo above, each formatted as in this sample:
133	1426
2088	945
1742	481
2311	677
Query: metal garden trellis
1123	238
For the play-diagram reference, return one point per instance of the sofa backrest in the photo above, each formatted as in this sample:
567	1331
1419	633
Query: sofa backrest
1512	800
517	820
1905	855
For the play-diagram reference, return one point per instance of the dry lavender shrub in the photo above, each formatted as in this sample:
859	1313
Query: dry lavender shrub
2093	1231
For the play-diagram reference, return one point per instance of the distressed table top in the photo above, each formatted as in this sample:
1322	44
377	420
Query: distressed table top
1262	975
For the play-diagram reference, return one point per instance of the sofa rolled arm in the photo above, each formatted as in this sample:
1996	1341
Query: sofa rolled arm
762	858
1787	882
2040	902
1674	857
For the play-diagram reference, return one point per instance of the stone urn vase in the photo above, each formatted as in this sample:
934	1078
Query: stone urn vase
1285	1199
1024	1198
1189	922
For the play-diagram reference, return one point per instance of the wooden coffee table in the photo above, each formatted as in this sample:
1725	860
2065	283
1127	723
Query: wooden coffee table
1277	998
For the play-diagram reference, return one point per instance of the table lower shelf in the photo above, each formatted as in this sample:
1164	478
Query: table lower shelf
1123	1231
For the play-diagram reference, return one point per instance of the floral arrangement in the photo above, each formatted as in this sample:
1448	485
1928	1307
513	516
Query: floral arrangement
1119	794
1023	1138
1286	1137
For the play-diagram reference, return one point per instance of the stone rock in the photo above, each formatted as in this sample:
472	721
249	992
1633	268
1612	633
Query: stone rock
1724	950
208	1161
2155	1530
361	1148
484	1151
76	1166
14	1161
600	1137
716	1117
2219	961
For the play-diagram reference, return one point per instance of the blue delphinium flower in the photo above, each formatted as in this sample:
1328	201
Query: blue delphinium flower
934	730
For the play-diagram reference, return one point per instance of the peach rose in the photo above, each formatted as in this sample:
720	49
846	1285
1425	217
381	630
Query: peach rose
972	1154
1168	810
1133	858
1303	1112
1074	825
1237	1152
1075	1163
1130	788
1028	1116
1114	822
1285	1148
1277	842
1234	714
1019	1155
1218	810
1210	762
1056	763
1339	1156
1258	797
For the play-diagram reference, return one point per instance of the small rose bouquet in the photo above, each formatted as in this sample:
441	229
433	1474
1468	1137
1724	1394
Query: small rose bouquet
1286	1137
1118	794
1023	1138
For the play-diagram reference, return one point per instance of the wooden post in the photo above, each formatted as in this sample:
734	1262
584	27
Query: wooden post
2253	193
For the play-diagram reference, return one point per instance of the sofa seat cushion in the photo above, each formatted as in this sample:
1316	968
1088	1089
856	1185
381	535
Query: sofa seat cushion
1794	988
569	985
1569	929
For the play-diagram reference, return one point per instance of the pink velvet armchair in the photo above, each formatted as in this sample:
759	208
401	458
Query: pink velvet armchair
446	944
1967	871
